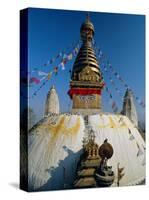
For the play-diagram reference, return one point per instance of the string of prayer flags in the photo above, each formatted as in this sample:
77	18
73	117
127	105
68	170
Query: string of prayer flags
45	75
41	86
38	80
119	78
61	54
100	54
112	81
52	60
140	102
117	75
48	75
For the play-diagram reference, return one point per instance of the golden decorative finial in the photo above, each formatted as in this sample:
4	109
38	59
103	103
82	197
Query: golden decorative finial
88	17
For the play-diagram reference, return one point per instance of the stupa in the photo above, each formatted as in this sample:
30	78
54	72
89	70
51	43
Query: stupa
52	102
55	142
129	108
86	80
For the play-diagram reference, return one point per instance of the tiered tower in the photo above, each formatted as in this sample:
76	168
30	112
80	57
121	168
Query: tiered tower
52	102
129	108
86	79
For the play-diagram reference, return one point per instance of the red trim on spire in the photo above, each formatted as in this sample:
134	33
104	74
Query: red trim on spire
83	91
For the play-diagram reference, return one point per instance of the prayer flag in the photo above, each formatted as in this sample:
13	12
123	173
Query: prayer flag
49	75
34	80
41	73
55	70
61	65
64	56
69	57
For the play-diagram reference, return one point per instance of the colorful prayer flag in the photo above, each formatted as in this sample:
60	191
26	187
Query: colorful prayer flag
49	75
34	80
55	70
41	73
69	57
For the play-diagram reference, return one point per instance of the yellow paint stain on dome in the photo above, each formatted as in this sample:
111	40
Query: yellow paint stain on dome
55	129
59	131
61	128
112	124
75	128
121	124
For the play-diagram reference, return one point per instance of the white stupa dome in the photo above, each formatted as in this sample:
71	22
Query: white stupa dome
55	146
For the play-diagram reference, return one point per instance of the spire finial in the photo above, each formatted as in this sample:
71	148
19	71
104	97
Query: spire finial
88	17
53	87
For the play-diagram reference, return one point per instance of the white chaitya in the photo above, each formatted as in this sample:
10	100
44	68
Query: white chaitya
55	146
52	102
129	108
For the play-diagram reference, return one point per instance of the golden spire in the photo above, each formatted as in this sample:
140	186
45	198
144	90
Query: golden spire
86	56
86	79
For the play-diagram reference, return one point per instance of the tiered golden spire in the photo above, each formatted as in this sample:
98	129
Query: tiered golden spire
86	56
86	79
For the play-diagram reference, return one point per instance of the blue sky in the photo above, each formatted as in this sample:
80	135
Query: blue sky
120	36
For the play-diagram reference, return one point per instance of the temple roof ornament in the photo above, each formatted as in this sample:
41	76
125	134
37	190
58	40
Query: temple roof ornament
86	57
129	108
52	102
